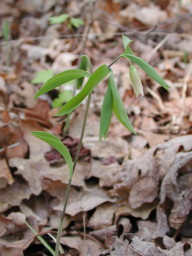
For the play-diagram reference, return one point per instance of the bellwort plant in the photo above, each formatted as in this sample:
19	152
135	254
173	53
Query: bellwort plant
112	103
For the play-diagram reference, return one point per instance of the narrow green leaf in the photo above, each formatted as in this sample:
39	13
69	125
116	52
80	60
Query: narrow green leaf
55	142
99	74
126	43
118	107
41	239
55	241
106	113
58	19
148	69
85	64
61	78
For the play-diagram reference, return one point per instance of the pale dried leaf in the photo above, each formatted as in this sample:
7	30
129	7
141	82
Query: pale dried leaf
85	201
5	175
103	216
84	247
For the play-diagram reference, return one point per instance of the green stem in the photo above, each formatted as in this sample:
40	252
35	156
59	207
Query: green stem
67	123
114	61
41	239
82	131
60	228
84	42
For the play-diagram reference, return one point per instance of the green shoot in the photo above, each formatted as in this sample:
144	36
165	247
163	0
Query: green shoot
41	239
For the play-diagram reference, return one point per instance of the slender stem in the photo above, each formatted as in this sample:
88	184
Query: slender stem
114	61
60	228
66	126
93	5
82	132
41	239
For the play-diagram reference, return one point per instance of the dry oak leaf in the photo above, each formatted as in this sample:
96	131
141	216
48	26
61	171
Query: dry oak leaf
149	169
12	142
103	216
5	174
16	236
83	247
116	147
105	173
85	201
176	188
13	195
101	234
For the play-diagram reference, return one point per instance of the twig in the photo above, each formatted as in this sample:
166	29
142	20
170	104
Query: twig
158	46
94	35
186	79
158	99
74	233
84	225
131	248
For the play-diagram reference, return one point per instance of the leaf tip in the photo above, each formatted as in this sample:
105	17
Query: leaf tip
36	96
34	133
60	114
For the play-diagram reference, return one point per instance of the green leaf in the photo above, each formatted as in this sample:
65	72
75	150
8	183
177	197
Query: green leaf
61	78
106	113
76	22
55	241
85	64
99	74
42	76
148	69
64	96
57	103
56	143
58	19
41	239
126	43
118	107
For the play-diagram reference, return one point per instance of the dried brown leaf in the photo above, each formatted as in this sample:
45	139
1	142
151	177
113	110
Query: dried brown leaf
103	216
5	175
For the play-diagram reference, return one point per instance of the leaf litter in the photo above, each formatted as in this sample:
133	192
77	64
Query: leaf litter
130	195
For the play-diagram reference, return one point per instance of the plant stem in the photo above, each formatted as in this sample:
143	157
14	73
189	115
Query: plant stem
66	126
60	228
114	61
87	29
41	239
82	131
